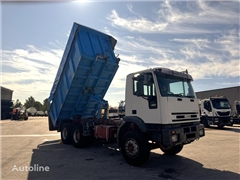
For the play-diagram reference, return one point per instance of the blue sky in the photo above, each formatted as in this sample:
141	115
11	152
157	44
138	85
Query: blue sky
201	36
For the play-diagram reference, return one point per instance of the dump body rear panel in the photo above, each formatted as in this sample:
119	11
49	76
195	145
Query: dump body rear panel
84	75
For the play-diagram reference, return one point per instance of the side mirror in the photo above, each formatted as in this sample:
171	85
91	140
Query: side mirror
140	88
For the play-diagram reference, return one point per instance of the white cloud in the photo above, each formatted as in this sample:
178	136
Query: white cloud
170	18
203	57
122	92
57	44
230	41
130	8
219	12
172	14
68	34
125	67
230	84
136	24
200	43
137	47
217	69
30	71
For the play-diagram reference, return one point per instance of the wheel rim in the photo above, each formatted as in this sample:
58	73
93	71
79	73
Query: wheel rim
131	148
65	133
76	136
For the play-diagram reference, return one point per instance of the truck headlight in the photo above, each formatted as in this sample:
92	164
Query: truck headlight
174	138
201	132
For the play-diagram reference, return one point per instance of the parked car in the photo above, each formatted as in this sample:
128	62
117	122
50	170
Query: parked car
40	113
18	114
31	111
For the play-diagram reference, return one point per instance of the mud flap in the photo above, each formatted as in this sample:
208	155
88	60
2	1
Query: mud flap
50	125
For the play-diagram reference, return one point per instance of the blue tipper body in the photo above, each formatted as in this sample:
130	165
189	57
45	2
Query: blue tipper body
86	71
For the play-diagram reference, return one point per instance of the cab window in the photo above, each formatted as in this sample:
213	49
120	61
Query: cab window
148	89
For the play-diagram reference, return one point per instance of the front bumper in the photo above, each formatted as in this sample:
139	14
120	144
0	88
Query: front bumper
182	135
220	120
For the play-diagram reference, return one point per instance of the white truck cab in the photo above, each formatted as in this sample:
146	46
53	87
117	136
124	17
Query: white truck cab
161	107
215	111
161	96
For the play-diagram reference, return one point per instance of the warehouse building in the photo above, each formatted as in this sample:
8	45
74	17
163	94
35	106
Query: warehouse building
231	93
6	103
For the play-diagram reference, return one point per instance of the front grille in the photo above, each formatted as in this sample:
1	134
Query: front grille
223	113
185	116
192	135
193	129
190	129
186	130
225	121
180	117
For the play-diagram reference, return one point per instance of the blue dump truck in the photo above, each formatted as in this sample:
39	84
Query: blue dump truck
161	108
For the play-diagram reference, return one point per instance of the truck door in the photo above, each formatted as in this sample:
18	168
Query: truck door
144	100
207	108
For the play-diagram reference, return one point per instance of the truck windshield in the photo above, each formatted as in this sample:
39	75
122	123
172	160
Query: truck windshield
175	86
220	103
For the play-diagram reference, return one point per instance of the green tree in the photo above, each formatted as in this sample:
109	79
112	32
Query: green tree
29	102
38	106
17	104
45	104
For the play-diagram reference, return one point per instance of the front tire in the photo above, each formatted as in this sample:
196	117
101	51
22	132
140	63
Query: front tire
135	148
221	126
174	150
204	121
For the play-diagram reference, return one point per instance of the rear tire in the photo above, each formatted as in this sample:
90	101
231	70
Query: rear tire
135	148
174	150
66	133
78	140
220	126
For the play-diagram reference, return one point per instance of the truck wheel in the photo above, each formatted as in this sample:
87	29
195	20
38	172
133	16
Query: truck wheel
66	133
221	126
174	150
78	139
204	121
135	148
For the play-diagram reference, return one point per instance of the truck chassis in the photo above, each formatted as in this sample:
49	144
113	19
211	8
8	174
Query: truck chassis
135	140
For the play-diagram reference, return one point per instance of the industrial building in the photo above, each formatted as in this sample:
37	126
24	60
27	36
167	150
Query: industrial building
231	93
6	103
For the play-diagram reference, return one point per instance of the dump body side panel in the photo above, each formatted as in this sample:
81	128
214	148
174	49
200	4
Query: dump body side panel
84	75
